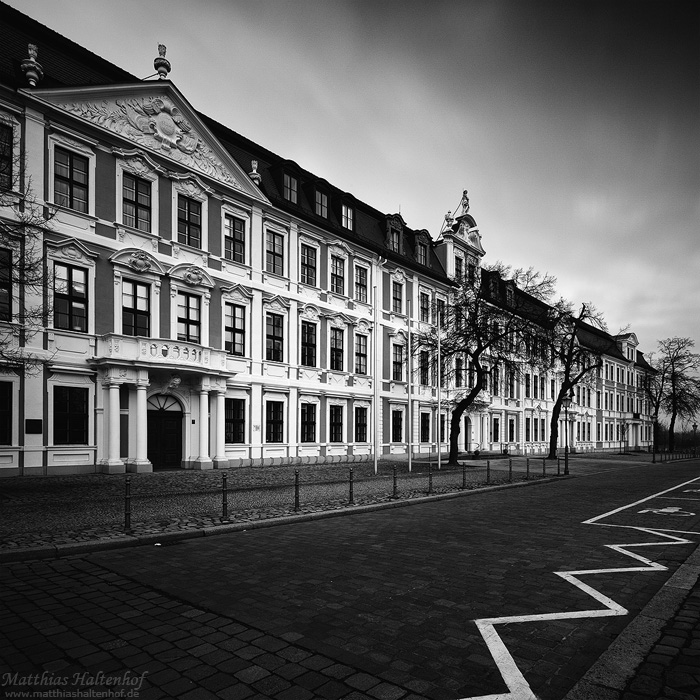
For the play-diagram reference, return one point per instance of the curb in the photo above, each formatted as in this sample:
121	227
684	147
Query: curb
86	547
609	675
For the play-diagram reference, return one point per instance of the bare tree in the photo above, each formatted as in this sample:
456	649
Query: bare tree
489	321
23	276
680	397
577	342
654	391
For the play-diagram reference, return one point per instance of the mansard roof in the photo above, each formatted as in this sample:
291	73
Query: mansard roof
68	65
598	341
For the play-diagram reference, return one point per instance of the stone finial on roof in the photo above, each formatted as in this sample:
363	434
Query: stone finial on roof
465	202
31	67
254	175
449	220
161	63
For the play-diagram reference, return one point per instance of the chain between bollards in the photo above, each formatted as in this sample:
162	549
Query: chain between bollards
352	495
224	496
296	490
396	486
127	504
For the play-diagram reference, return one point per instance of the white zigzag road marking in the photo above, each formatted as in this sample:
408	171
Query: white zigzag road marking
518	687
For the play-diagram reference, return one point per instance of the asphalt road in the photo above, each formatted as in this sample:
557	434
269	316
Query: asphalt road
402	603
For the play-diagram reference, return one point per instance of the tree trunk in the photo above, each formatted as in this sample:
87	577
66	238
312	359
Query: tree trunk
671	433
554	431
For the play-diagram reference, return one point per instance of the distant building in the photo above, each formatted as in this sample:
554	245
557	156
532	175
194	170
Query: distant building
213	304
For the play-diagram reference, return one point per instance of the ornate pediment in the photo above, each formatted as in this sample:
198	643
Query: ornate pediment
157	118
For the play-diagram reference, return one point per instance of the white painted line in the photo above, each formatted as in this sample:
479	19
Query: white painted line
680	498
518	687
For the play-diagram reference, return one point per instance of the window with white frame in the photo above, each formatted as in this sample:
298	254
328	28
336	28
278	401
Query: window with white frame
424	367
397	363
321	204
424	307
307	268
360	354
361	284
335	423
136	202
189	317
71	180
360	424
234	238
234	420
397	297
274	337
274	421
136	308
422	254
290	188
234	329
307	431
70	298
337	275
308	344
6	295
70	415
6	413
347	215
274	252
395	240
189	221
397	425
7	170
337	349
425	427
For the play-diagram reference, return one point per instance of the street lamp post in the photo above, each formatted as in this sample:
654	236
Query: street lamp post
695	432
566	402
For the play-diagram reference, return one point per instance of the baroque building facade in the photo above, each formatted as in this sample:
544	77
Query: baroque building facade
210	304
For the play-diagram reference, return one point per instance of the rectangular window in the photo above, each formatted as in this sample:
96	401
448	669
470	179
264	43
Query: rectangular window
394	240
397	426
70	298
397	297
424	307
360	424
290	189
274	254
234	329
459	268
308	265
136	308
442	428
274	325
6	157
397	363
422	253
424	368
360	354
308	422
534	425
136	202
511	430
337	341
535	387
274	421
336	424
527	429
189	317
527	385
459	372
321	204
70	415
496	430
542	383
70	180
337	275
234	239
361	284
308	344
542	424
440	312
5	413
189	221
234	420
425	427
5	285
347	217
552	389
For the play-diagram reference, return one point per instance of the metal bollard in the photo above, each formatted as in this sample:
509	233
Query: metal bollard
488	471
527	468
296	490
510	470
464	476
127	504
430	478
224	496
396	488
352	497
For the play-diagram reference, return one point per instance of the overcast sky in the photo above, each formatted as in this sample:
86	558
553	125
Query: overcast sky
575	126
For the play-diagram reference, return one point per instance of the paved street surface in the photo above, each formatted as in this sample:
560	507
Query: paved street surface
401	603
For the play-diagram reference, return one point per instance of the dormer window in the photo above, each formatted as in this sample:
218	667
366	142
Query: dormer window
395	240
290	188
347	217
422	253
321	204
510	296
459	267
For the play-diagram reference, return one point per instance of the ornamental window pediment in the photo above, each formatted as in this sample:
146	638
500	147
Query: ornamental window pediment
236	293
72	250
191	276
275	303
137	261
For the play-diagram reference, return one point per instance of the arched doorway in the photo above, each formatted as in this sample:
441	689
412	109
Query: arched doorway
164	432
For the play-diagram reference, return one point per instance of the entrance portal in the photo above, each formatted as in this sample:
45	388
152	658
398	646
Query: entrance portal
164	432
